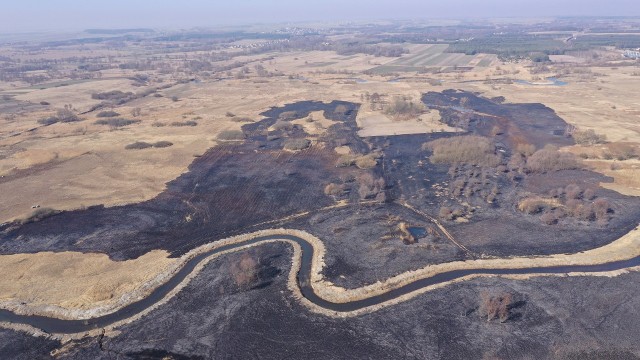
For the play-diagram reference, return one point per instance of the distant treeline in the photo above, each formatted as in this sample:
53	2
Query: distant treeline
118	31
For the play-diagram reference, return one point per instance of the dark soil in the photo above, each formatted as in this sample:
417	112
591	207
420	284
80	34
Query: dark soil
244	187
215	318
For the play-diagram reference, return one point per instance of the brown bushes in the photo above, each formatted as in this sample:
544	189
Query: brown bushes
495	306
297	144
370	187
245	271
282	125
48	120
334	189
532	205
588	137
103	114
288	115
525	149
550	159
162	144
116	122
231	135
138	145
402	107
366	162
185	123
470	149
67	115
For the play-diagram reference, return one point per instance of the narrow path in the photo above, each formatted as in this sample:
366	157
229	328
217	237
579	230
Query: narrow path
441	227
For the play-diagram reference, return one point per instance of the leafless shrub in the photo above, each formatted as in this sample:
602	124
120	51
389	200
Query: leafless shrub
366	162
573	191
108	113
549	218
48	120
244	271
282	125
334	189
589	194
369	186
116	122
550	159
402	107
297	144
341	109
67	115
345	161
184	123
138	145
158	124
495	305
601	208
162	144
470	149
588	137
532	205
445	213
231	135
288	115
525	149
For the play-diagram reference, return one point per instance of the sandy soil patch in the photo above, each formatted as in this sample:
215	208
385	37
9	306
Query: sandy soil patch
382	125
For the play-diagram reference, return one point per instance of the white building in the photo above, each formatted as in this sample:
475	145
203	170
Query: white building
633	54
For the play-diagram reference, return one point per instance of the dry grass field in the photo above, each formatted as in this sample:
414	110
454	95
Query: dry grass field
67	166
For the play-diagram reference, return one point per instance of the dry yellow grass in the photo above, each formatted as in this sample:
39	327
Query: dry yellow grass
81	155
82	281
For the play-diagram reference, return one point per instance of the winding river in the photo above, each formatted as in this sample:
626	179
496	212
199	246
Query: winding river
61	326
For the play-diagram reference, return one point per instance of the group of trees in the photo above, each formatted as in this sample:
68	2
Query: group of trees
568	202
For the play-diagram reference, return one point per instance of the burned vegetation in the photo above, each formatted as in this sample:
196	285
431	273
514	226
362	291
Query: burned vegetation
504	174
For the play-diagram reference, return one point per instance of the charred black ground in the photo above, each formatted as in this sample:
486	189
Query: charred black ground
248	185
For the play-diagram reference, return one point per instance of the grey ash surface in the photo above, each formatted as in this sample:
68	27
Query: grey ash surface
214	318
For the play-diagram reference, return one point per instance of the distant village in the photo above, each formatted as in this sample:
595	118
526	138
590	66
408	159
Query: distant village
633	54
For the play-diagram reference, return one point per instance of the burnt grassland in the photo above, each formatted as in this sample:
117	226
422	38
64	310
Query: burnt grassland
227	191
239	305
246	185
560	318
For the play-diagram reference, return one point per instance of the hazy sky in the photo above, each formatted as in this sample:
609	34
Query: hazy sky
24	15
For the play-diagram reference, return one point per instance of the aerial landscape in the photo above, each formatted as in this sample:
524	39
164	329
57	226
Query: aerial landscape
207	181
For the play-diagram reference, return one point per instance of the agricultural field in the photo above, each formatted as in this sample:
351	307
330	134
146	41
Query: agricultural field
243	193
433	56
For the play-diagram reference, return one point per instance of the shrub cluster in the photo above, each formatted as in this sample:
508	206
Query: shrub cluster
495	305
48	120
550	159
469	149
297	144
588	137
334	189
403	107
145	145
116	122
185	123
231	135
108	113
